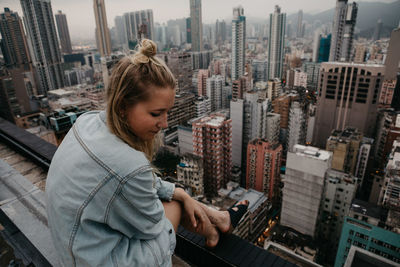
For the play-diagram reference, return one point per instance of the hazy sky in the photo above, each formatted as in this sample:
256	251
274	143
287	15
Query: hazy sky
81	23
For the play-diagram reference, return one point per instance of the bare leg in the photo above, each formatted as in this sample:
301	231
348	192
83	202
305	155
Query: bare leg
220	218
175	213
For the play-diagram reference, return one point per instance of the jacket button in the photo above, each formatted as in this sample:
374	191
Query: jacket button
170	231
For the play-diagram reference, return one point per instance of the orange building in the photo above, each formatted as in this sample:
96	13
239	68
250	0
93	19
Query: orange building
263	167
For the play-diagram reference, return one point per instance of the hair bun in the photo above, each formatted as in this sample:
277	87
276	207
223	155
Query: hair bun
148	48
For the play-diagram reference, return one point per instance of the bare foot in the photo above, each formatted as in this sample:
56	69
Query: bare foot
221	218
206	229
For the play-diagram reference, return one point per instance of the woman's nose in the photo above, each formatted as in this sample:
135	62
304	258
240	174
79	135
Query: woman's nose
164	122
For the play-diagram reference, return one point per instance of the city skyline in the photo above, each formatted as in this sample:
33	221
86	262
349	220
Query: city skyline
81	19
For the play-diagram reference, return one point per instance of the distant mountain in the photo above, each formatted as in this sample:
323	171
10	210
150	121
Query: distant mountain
367	17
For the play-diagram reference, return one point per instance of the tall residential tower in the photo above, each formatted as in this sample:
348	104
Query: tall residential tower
343	31
43	43
196	25
63	32
276	43
102	32
238	42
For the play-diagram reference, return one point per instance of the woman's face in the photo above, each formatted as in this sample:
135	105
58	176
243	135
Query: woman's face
147	118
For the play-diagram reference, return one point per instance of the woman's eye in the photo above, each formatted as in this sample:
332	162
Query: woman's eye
155	114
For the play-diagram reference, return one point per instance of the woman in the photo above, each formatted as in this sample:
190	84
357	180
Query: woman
105	205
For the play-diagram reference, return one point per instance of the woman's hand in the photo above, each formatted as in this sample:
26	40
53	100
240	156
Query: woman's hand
192	208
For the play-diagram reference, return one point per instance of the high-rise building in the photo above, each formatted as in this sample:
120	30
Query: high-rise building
63	33
259	70
182	111
390	192
281	106
297	129
371	228
202	59
312	70
324	48
138	25
220	31
43	42
344	22
203	106
391	83
121	31
212	141
214	91
344	146
238	88
238	43
339	191
189	30
180	64
362	159
202	82
300	78
361	51
272	127
274	88
196	25
299	32
347	96
263	167
102	32
13	43
276	43
303	188
316	44
190	172
378	30
237	112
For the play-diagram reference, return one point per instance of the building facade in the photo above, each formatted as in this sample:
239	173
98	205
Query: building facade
238	43
63	33
102	32
190	172
344	22
196	25
303	188
212	141
43	42
342	103
276	43
263	167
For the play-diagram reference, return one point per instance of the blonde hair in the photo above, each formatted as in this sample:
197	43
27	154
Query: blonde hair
132	81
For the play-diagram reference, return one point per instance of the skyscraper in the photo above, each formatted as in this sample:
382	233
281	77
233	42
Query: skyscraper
378	30
347	96
303	187
299	32
196	25
263	167
102	32
13	43
42	37
212	141
324	48
138	24
276	43
238	42
63	33
343	31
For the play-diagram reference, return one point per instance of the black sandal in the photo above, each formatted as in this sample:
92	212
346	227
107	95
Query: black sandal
236	215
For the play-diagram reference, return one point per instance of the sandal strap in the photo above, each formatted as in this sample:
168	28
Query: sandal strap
237	215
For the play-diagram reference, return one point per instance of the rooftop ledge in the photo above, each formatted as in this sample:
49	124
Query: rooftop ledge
23	217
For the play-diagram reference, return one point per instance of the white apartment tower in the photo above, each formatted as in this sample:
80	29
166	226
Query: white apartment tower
236	113
276	43
238	43
343	31
297	126
303	187
214	91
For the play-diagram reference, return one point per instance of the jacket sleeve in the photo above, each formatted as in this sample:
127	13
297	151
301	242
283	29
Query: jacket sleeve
165	190
136	210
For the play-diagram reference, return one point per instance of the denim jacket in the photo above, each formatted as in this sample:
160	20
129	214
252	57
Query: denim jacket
103	201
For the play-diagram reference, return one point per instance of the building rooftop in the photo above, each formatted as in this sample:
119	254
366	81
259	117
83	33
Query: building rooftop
312	152
366	208
352	64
